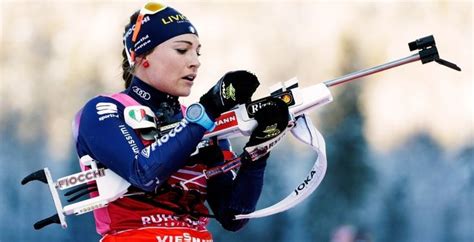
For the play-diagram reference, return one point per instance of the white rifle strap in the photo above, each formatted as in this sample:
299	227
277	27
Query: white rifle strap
308	134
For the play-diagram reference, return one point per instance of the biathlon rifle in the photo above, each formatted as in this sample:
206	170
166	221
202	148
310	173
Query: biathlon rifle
235	123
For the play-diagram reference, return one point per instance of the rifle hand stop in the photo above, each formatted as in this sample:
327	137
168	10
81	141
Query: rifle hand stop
428	52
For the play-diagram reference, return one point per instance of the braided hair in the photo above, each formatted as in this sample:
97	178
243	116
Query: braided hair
127	70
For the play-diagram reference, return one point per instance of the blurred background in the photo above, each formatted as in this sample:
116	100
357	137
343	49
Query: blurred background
400	143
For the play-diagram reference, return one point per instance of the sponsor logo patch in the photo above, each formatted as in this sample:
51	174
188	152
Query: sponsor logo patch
228	92
137	114
181	125
129	139
270	131
141	93
106	110
256	105
146	152
79	178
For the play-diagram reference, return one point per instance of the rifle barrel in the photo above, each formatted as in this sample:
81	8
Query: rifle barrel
372	70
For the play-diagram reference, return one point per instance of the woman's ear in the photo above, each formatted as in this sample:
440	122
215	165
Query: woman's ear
142	61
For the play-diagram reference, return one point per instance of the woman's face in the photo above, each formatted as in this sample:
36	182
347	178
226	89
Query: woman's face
173	65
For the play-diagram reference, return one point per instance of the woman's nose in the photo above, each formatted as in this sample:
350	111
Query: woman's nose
194	62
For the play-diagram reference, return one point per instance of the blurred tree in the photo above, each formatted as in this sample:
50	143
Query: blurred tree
428	193
451	223
349	175
22	206
394	224
463	229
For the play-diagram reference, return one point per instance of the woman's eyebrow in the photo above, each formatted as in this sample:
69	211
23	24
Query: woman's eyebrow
186	42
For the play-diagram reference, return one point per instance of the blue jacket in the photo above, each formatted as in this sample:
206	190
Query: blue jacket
104	135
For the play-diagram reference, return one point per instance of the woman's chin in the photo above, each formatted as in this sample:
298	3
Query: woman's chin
184	92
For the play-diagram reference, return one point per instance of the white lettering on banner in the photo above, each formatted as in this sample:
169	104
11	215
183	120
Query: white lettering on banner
258	151
145	19
130	30
166	219
142	42
129	139
159	218
169	135
256	106
142	39
162	239
102	118
225	120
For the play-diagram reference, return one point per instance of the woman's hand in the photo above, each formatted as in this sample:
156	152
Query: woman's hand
272	118
236	87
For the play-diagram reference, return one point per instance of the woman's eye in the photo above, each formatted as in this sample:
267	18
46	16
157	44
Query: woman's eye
181	51
184	51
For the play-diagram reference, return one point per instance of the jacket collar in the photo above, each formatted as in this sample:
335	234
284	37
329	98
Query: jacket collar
146	94
164	105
